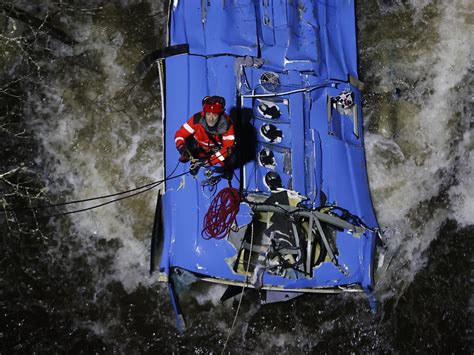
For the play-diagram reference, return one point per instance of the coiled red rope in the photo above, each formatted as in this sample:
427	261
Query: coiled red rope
221	214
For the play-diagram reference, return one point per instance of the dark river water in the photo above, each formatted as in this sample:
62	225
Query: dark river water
76	121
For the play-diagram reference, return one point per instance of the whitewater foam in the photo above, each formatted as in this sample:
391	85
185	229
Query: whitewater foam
99	140
408	173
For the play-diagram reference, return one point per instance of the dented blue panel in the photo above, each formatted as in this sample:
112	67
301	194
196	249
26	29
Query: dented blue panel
219	27
339	49
304	33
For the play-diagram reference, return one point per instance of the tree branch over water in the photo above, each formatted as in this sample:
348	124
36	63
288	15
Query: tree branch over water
38	24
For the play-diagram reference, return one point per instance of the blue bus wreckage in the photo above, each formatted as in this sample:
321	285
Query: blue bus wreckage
297	207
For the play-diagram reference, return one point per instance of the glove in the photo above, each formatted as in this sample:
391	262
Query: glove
184	156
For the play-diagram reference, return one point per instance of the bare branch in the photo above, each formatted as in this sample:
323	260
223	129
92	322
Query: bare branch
39	24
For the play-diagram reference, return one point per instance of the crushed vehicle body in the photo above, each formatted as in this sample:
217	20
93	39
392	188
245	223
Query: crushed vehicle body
302	217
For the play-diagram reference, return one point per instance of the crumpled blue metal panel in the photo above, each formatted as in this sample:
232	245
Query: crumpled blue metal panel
337	33
280	42
349	166
289	34
304	35
217	27
304	31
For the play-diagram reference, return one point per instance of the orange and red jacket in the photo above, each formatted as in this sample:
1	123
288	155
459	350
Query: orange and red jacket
222	134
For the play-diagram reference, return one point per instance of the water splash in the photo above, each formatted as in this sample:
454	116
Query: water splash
101	134
413	160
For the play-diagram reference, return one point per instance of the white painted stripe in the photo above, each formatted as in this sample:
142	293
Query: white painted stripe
219	155
179	139
228	138
188	128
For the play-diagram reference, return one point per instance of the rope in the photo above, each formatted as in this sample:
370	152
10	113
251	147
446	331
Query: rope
156	184
40	207
221	214
149	187
109	202
241	295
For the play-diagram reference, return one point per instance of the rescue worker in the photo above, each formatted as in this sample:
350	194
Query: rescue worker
207	135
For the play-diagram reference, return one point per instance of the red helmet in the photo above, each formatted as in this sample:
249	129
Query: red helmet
213	104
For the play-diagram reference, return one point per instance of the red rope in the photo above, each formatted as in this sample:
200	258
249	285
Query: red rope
221	214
